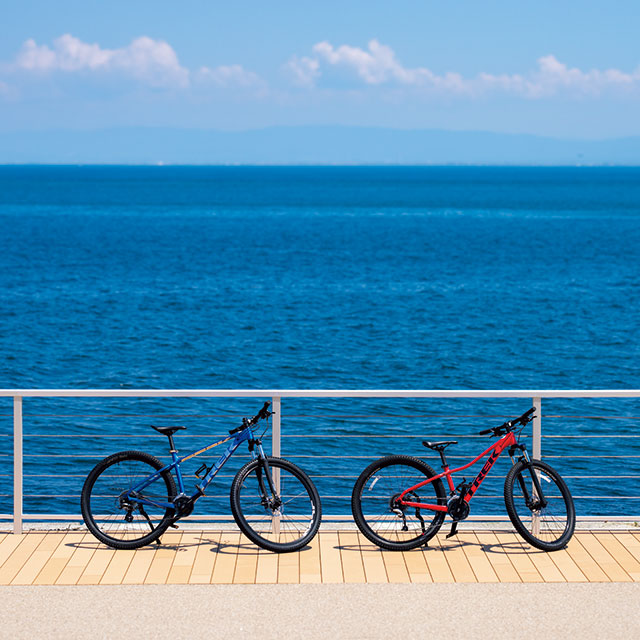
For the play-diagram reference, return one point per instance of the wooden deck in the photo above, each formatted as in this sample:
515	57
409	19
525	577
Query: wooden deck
204	557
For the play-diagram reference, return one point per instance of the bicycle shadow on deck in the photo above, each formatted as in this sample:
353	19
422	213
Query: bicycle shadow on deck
224	547
511	547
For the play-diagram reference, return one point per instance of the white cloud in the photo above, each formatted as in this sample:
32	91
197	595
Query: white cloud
378	65
229	76
553	77
152	62
303	71
375	66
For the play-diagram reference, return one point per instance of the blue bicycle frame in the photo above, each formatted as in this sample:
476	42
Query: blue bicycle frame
237	439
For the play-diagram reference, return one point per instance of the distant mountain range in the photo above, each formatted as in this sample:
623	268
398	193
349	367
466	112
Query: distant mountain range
309	145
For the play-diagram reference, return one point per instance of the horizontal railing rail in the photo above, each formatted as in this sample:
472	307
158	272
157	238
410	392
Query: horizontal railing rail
276	395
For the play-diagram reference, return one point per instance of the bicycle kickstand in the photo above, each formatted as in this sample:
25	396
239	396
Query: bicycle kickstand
454	529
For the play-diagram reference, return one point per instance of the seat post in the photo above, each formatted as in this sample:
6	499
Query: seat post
444	460
172	447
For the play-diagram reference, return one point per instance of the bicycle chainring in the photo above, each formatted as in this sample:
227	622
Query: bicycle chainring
457	508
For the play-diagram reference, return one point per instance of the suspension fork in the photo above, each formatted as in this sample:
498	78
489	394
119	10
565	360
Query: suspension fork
263	464
537	487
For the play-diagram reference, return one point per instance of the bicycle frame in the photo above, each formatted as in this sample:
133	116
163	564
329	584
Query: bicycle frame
236	440
497	447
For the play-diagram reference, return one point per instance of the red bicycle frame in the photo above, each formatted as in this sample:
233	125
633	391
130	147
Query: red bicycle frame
498	447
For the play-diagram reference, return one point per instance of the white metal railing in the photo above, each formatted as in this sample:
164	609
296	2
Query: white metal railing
276	395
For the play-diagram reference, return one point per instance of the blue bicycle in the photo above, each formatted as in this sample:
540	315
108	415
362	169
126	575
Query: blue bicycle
130	498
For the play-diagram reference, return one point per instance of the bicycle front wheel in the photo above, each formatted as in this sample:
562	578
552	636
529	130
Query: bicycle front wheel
377	512
547	527
117	521
285	520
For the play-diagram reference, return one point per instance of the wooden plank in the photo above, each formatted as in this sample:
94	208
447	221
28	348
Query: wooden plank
139	566
330	557
310	570
515	551
416	565
38	559
588	566
288	564
118	567
352	566
567	566
185	557
457	560
59	558
247	562
604	559
21	554
97	565
477	558
267	567
623	557
545	566
496	555
395	566
437	562
163	559
206	556
79	559
226	558
8	546
372	561
630	543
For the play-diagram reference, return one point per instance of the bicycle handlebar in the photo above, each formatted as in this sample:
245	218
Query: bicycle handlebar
261	415
510	425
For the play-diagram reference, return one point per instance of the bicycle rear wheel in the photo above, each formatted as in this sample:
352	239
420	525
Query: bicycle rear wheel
112	519
550	527
284	521
377	513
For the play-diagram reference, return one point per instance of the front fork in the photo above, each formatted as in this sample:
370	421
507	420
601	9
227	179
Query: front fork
263	465
538	500
274	502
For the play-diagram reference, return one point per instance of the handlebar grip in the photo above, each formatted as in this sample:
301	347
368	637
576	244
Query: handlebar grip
485	432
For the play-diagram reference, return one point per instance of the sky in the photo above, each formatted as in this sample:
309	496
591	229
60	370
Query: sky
562	69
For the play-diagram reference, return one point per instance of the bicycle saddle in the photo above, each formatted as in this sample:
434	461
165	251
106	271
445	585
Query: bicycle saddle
438	446
167	431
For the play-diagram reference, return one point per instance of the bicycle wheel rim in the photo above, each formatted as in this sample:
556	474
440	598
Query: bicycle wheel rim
548	525
383	518
293	522
111	519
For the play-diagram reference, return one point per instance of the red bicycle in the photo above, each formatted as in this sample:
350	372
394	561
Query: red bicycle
399	502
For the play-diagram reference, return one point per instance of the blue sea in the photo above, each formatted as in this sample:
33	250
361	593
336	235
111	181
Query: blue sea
321	278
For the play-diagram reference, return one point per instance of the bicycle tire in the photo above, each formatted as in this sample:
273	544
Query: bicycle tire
298	516
101	507
556	522
385	527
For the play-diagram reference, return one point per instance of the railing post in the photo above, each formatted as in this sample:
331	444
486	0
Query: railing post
536	449
275	451
536	452
17	464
